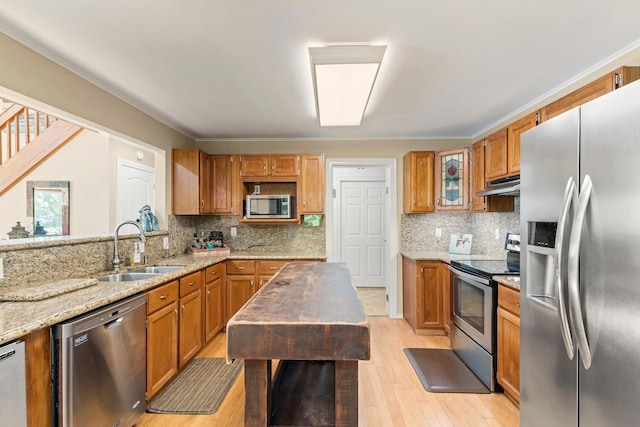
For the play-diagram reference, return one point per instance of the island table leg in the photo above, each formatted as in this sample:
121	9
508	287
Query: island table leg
257	386
346	389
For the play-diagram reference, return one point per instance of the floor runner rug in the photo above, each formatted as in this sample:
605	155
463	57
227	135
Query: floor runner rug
199	389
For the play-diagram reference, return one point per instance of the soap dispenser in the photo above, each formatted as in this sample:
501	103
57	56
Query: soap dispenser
136	254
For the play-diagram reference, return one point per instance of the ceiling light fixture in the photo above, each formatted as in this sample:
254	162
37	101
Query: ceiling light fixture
343	78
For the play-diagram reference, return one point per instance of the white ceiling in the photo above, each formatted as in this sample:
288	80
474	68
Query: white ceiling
217	69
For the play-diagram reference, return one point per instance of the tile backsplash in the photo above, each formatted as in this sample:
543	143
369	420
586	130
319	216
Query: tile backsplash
253	237
418	231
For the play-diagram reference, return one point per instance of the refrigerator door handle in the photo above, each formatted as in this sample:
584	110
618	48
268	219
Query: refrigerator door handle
574	272
560	234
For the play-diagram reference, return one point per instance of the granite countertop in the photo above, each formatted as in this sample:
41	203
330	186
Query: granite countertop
445	256
511	281
19	318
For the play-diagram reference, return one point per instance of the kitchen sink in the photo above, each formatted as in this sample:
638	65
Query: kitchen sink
126	277
157	269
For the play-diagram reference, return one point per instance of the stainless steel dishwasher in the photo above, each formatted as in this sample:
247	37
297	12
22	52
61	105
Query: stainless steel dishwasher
100	366
13	410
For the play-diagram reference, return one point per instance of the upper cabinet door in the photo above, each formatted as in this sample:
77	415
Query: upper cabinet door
478	203
254	165
418	175
495	155
452	179
221	168
312	184
513	141
283	165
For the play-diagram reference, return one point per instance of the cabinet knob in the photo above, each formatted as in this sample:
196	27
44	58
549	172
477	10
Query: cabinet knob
202	204
414	201
240	267
273	268
164	297
192	283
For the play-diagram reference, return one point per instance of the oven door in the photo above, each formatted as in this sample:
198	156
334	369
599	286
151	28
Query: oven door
473	307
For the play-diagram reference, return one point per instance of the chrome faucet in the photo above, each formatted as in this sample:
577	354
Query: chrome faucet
116	259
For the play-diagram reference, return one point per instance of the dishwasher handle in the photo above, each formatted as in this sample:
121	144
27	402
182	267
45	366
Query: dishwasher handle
114	323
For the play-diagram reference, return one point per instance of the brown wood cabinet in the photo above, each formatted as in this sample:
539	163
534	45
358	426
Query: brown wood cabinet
452	180
274	165
202	183
508	373
221	183
311	197
593	90
191	182
418	187
162	336
495	155
245	278
241	284
37	354
445	279
267	269
515	130
422	295
214	297
190	312
478	183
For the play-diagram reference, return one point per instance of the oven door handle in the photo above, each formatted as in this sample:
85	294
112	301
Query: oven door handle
469	277
559	270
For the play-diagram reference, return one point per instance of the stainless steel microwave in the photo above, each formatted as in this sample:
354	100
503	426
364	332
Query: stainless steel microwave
270	206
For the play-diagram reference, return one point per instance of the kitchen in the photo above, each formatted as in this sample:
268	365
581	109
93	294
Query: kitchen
114	114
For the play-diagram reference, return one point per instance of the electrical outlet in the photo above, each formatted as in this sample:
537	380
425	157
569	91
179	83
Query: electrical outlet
234	232
497	234
165	243
1	268
256	188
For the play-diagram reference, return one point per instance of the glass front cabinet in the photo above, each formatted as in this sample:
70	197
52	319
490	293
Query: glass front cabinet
452	180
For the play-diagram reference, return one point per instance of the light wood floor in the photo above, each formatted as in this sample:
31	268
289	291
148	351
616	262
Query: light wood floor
390	393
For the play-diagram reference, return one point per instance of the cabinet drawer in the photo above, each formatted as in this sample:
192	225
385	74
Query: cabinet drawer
213	272
190	283
162	296
509	299
236	266
270	267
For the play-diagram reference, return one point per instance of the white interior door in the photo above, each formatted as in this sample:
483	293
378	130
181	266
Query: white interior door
136	185
363	238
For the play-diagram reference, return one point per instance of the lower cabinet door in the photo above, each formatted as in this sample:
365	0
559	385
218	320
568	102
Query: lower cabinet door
162	347
239	290
190	312
213	309
509	353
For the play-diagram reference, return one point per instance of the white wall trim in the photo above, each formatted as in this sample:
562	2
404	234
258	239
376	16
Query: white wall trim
390	164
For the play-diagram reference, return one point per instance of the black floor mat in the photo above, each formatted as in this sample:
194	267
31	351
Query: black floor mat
441	371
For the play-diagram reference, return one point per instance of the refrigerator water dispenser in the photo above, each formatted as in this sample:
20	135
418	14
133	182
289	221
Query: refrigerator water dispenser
541	272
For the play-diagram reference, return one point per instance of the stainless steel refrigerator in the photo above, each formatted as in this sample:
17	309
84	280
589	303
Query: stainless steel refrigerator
580	266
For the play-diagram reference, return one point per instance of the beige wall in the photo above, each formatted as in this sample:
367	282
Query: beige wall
31	79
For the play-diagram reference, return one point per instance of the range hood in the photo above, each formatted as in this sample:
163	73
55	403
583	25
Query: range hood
509	186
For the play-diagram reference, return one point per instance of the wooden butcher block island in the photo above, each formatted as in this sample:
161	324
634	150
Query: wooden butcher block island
309	318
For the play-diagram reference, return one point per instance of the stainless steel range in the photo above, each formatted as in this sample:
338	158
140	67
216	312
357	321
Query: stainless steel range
474	308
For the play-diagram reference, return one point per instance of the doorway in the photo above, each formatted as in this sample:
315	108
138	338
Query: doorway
136	188
362	223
